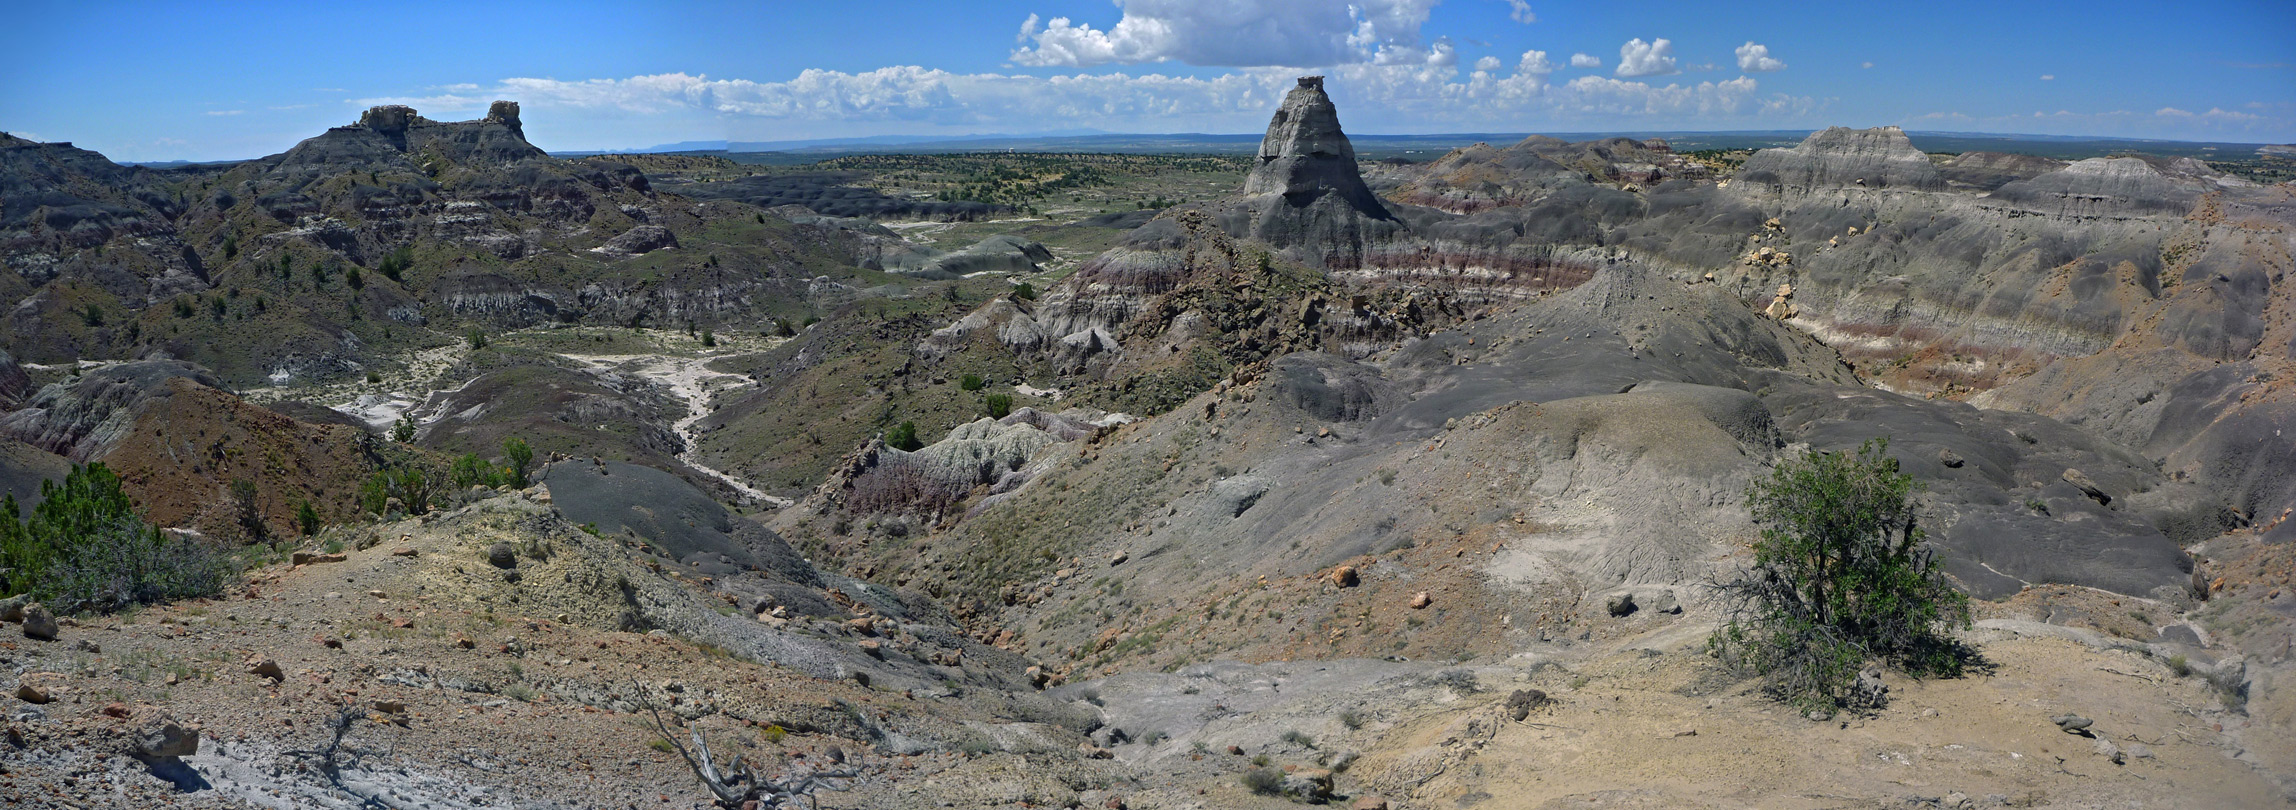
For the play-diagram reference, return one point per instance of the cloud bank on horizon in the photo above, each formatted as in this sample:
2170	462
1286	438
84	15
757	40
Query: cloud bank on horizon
1220	65
1383	67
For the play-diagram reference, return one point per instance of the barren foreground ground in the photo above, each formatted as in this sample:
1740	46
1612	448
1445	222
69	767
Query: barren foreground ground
466	693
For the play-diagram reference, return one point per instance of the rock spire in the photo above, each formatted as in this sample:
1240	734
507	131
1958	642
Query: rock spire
1305	156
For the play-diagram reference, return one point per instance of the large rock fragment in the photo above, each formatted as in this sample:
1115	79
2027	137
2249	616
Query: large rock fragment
162	737
39	623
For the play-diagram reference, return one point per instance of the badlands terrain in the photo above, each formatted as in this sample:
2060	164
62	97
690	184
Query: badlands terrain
1141	481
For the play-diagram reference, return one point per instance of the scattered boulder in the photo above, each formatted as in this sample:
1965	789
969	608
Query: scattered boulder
1621	604
1345	576
1521	702
1420	600
313	557
266	668
2073	723
1308	784
501	555
33	694
1947	457
164	738
640	240
12	608
1091	751
2087	487
116	709
39	624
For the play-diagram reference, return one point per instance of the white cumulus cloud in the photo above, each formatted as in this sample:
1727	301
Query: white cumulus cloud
1488	64
1865	64
1535	62
2048	77
226	112
1754	58
1522	11
1582	60
1414	96
2174	112
1235	33
1637	58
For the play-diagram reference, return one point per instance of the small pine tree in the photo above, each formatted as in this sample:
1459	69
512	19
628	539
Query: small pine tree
1840	577
404	431
307	518
998	405
250	512
413	489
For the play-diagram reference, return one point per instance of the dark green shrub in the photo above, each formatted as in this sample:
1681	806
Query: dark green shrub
1264	781
306	519
471	471
375	493
477	338
903	437
1025	292
1840	578
404	431
395	265
83	549
521	460
997	405
413	489
972	382
709	339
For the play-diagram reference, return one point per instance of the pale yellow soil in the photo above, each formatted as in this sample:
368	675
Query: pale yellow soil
1643	726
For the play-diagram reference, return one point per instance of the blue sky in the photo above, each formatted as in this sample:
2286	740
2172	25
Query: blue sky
155	81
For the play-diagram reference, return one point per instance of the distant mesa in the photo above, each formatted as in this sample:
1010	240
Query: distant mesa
1842	158
390	119
394	120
